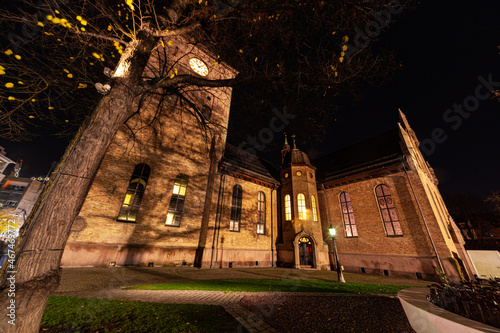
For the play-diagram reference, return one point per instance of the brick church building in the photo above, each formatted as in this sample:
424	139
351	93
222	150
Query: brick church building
172	192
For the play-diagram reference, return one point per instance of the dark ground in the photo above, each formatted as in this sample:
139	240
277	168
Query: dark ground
330	314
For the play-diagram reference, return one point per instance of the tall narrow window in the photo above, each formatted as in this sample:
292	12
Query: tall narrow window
301	202
176	205
314	208
261	213
234	223
288	208
135	192
348	215
388	211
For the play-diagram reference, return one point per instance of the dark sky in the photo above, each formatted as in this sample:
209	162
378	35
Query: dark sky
444	47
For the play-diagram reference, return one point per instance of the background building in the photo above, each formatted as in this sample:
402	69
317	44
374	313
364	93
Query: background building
4	162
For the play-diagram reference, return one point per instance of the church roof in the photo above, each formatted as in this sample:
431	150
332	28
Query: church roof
239	162
371	154
296	156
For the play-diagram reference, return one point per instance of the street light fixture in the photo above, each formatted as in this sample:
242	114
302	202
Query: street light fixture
339	269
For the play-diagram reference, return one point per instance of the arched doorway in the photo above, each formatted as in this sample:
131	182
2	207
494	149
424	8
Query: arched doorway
306	256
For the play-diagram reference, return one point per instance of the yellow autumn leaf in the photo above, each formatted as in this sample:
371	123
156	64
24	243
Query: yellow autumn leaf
20	82
67	120
33	100
40	24
18	57
2	72
79	18
70	75
241	51
10	98
345	39
129	3
83	22
344	48
56	20
51	108
341	59
82	85
8	52
256	58
110	28
170	42
96	55
31	117
9	85
82	29
49	17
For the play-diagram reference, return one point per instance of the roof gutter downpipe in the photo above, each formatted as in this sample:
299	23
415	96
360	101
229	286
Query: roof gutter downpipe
404	164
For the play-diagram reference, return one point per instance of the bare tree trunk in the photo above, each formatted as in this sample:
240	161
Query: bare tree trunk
47	230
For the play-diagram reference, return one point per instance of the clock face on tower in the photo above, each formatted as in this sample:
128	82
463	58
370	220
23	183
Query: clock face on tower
198	66
286	174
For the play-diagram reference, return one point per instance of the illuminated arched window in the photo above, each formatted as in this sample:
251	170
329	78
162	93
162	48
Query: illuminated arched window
314	208
135	192
176	205
234	223
261	213
388	211
301	202
348	215
288	208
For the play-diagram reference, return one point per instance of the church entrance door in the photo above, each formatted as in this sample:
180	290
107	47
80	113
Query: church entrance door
305	252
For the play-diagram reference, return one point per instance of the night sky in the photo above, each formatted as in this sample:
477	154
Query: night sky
444	46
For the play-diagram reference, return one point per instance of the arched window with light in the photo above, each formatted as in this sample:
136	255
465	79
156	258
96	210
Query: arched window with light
234	223
288	208
314	208
177	200
348	215
388	211
261	213
135	193
301	202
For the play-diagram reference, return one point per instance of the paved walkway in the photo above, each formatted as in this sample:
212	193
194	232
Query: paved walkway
106	283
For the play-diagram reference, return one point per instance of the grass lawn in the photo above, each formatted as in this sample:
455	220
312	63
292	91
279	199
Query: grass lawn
254	285
71	314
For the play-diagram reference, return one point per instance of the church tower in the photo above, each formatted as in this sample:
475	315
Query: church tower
302	234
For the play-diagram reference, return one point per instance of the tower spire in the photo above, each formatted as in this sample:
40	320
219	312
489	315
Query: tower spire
286	149
293	138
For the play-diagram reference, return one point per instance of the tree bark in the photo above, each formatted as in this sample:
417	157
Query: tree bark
45	233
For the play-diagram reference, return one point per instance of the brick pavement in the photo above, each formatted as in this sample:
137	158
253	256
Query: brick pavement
106	283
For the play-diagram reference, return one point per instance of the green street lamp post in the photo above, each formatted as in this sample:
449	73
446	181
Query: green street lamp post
339	269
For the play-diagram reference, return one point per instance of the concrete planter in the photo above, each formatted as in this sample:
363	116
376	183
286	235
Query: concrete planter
429	318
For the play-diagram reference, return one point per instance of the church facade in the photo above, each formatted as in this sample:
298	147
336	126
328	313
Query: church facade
171	192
